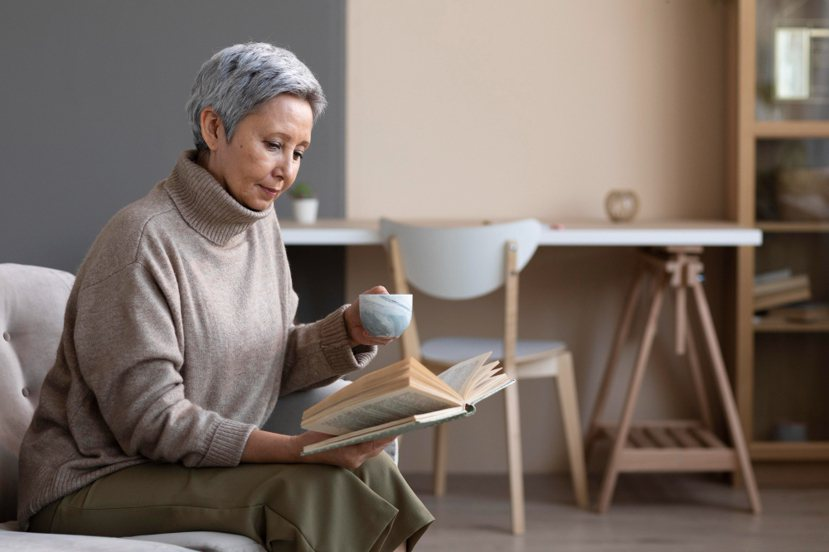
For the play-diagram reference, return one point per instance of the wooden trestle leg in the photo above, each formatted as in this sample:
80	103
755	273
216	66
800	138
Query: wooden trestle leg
670	445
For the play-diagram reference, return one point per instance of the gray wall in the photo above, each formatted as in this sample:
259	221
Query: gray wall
92	107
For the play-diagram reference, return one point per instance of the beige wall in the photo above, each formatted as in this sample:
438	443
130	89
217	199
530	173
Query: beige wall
484	108
538	107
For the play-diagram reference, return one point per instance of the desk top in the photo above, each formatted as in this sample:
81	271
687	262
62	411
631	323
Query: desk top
581	233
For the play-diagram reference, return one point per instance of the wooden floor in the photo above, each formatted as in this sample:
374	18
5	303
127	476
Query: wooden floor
649	513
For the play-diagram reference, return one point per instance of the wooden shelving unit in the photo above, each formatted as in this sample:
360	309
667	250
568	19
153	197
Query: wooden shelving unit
778	362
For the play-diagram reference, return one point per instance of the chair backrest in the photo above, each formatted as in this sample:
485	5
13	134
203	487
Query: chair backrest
460	262
32	305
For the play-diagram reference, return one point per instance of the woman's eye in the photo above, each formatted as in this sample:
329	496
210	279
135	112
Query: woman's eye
298	155
273	145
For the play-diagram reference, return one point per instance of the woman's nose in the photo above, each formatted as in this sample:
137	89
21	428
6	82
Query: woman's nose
281	169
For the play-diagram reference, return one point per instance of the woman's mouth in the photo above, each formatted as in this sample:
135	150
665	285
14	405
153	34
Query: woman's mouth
270	192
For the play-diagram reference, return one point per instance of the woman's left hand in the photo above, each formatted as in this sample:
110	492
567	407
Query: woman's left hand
356	333
350	457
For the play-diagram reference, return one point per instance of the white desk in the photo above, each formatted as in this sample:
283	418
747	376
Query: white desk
584	233
677	272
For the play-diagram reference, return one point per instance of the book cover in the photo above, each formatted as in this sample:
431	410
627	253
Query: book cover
393	429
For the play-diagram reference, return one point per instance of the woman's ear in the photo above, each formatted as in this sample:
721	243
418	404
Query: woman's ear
212	128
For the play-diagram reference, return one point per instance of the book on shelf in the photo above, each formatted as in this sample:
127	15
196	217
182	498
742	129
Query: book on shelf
804	313
772	275
794	281
781	298
402	397
779	288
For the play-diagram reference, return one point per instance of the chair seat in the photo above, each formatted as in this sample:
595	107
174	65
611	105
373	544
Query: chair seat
449	350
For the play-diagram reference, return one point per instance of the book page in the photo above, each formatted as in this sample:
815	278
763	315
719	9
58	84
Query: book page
379	411
481	377
493	371
351	393
457	376
364	384
491	388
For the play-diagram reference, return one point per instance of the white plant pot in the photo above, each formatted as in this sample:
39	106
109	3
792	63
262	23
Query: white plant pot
305	210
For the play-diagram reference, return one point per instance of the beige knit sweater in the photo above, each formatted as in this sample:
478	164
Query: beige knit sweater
177	341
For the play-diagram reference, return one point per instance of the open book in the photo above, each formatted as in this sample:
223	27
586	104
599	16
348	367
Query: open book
402	397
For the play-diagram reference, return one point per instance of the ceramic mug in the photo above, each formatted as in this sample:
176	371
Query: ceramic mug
386	314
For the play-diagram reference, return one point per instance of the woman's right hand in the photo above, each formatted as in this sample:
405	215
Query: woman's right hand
350	457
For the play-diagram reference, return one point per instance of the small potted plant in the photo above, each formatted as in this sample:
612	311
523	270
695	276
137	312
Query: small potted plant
305	203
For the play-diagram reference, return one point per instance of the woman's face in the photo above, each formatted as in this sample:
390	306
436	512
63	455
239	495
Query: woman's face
261	160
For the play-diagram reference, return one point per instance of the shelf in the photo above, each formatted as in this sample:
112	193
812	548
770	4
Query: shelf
791	129
784	326
793	227
671	445
807	451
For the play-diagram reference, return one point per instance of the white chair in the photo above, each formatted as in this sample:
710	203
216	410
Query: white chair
464	262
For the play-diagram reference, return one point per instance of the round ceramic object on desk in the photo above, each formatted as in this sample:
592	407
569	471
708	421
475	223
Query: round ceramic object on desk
386	314
621	205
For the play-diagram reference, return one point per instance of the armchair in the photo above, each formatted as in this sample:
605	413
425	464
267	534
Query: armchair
32	304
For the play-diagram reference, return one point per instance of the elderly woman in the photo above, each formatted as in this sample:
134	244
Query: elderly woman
179	339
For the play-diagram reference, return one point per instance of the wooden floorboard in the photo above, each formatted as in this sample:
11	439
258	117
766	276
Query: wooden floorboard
649	513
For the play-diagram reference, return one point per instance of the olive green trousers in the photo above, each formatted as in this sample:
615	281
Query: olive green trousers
297	507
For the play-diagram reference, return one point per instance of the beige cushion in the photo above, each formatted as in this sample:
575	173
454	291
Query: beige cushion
32	303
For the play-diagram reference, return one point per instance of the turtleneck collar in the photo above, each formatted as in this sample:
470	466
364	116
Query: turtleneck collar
205	205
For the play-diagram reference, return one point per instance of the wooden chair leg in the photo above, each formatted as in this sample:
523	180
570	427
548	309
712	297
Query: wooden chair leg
612	469
568	400
439	452
724	389
622	332
516	468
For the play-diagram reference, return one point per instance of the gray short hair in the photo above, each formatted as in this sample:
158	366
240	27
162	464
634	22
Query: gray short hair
236	80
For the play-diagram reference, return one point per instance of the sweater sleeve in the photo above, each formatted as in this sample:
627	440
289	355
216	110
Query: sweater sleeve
320	352
128	350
